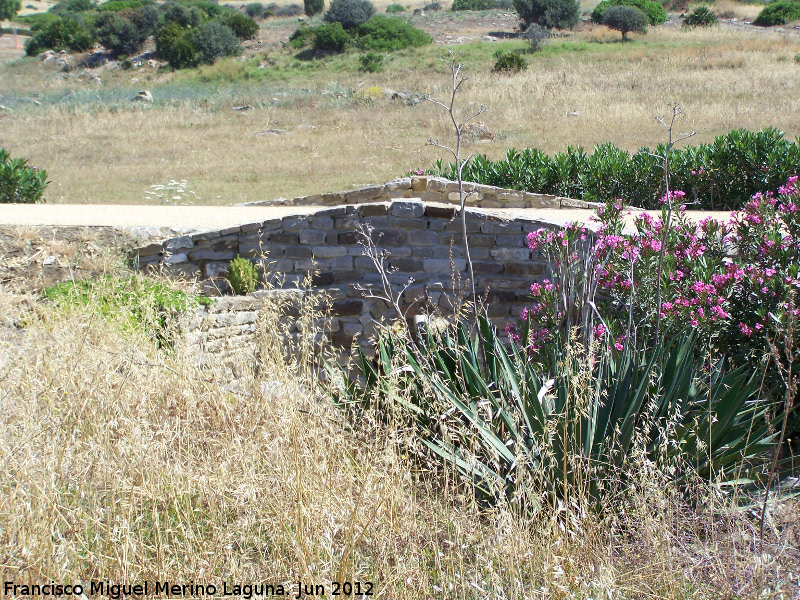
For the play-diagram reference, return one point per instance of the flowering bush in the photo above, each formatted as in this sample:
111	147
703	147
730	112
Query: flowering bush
733	282
20	183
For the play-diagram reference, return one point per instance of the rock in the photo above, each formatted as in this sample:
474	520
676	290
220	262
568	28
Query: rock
152	63
271	132
489	38
477	131
244	108
143	96
407	98
418	12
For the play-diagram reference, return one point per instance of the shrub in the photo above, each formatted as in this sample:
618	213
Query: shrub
181	15
60	34
118	5
119	34
78	5
242	275
625	19
38	21
702	16
302	36
350	13
559	14
433	6
290	10
536	35
780	12
146	20
395	8
384	34
371	62
459	5
174	45
214	40
9	9
509	61
244	27
20	183
655	12
313	7
331	37
254	10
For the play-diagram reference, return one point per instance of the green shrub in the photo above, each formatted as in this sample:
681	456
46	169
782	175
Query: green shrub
9	9
181	15
60	34
702	16
119	34
214	40
313	7
146	19
509	61
38	21
371	62
780	12
118	5
290	10
459	5
79	5
242	275
385	34
536	36
302	36
395	8
350	13
625	19
20	183
244	27
797	58
254	10
433	6
174	45
655	12
558	14
331	37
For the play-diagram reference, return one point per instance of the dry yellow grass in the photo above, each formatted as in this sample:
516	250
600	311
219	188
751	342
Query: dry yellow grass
110	152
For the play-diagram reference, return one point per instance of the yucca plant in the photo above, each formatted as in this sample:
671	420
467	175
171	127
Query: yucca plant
480	404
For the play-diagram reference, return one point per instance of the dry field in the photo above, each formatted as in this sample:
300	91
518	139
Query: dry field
323	126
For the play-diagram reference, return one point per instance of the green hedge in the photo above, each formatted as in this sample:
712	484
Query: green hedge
385	34
722	175
778	13
654	11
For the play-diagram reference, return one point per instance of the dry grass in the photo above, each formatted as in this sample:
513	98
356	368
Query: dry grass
127	464
105	151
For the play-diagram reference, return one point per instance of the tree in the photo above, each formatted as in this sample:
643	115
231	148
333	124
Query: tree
626	19
559	14
9	9
350	13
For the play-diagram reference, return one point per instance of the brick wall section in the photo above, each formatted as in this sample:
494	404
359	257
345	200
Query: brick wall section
423	239
433	189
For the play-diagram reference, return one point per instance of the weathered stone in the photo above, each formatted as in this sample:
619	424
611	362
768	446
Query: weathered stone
313	237
377	221
328	251
308	264
422	238
150	250
173	259
333	198
322	278
294	223
213	269
571	203
351	329
502	227
182	270
206	254
437	184
344	308
398	184
297	252
280	265
487	267
318	222
364	194
510	253
523	268
406	265
178	243
419	184
407	208
389	237
337	211
374	210
349	237
342	263
406	223
440	212
442	265
282	237
543	201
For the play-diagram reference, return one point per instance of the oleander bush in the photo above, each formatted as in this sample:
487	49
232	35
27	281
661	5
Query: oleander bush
655	11
721	175
349	13
779	12
20	183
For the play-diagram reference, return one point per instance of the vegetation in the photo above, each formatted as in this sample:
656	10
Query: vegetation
243	27
214	40
371	62
9	9
433	7
120	34
553	14
508	61
313	7
536	36
701	16
625	19
349	13
459	5
255	10
59	34
722	175
331	37
242	275
386	34
655	11
395	8
20	183
779	12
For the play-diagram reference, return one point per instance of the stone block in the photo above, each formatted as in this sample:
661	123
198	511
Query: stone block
456	251
377	221
410	224
403	183
150	250
205	236
308	264
346	223
523	268
502	227
437	184
490	204
322	279
344	308
374	210
280	265
442	265
329	251
178	243
214	269
487	267
407	208
294	223
351	329
313	237
284	237
182	270
419	184
342	263
389	237
237	229
336	211
348	276
364	194
543	201
297	252
207	254
510	253
406	265
422	238
455	225
333	198
515	240
572	203
318	222
440	212
174	259
349	237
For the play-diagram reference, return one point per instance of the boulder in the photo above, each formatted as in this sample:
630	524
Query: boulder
143	96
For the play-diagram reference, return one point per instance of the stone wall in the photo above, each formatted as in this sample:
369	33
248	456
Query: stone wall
423	242
433	189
